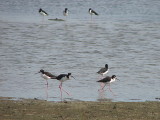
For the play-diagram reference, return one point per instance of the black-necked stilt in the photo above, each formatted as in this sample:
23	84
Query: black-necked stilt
43	13
107	80
47	75
92	12
62	78
104	70
65	12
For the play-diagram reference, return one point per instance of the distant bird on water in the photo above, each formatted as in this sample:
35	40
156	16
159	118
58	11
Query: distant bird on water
47	75
43	13
92	12
107	80
65	12
104	70
62	78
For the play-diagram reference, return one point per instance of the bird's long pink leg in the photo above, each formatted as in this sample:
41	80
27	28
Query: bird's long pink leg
66	92
101	77
111	90
43	20
46	92
60	87
47	82
102	86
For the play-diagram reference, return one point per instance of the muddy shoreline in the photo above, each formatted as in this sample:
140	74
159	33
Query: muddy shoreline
33	109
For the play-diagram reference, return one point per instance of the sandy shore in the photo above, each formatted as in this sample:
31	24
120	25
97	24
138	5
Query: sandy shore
27	109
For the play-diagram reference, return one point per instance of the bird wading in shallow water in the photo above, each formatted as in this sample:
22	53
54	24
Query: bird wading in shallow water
66	12
103	71
43	13
92	12
62	78
47	75
107	80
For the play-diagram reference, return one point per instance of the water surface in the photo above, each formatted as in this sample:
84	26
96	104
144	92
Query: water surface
125	36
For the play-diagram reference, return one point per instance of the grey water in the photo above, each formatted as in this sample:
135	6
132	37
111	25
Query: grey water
125	35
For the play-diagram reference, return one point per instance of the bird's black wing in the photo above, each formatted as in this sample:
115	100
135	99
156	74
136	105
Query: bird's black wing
94	12
106	79
45	13
40	10
102	70
59	77
50	75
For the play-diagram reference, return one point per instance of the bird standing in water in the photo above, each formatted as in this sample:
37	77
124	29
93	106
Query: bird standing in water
62	78
46	75
65	12
103	71
108	80
92	12
43	13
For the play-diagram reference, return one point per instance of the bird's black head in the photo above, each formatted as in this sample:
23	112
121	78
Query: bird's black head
41	71
40	10
69	74
90	9
66	9
113	76
106	65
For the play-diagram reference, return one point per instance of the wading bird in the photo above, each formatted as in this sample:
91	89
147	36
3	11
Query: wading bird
107	80
92	12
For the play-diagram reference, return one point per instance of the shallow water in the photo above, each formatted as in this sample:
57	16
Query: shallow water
125	36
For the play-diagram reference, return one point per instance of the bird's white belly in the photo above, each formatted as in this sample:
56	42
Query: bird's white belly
64	79
45	76
113	80
105	72
65	14
42	13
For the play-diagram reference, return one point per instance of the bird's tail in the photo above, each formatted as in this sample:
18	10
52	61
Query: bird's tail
55	77
96	13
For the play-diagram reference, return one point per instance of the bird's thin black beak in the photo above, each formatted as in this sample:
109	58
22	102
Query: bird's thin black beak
73	77
37	72
117	79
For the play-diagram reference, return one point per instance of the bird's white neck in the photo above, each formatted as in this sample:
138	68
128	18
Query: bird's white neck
113	79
